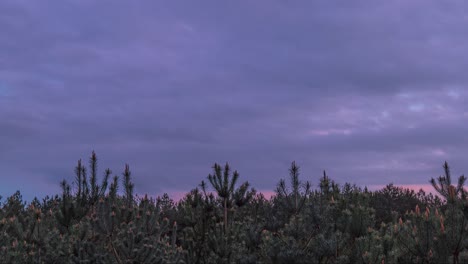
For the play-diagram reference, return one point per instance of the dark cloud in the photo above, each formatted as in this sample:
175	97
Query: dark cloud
372	91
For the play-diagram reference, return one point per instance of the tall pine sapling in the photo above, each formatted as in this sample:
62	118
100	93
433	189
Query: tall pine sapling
446	189
224	185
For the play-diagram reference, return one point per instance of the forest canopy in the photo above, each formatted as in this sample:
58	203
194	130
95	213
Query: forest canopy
224	220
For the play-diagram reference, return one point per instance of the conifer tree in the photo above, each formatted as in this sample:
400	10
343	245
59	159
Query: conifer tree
95	223
225	186
446	189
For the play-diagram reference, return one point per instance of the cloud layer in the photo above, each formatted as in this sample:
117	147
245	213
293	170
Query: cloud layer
372	91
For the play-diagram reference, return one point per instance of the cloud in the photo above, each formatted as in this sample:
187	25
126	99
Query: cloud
372	92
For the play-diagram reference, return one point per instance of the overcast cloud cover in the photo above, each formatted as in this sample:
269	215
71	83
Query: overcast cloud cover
372	91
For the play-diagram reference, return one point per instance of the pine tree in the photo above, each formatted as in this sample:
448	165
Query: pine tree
446	189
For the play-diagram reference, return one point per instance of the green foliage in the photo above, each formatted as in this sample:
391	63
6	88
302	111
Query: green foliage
92	222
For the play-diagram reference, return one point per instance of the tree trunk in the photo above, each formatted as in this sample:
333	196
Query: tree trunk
225	216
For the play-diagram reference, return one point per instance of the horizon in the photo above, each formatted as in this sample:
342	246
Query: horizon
371	93
178	195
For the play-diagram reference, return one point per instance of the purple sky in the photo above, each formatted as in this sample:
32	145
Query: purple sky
372	91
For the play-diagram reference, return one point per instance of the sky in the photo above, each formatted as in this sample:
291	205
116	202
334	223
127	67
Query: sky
373	92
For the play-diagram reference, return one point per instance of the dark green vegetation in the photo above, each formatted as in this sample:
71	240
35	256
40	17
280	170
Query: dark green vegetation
100	220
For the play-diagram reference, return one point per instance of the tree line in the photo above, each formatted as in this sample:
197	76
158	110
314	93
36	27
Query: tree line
101	220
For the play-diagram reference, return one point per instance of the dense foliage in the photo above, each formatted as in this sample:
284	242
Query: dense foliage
103	221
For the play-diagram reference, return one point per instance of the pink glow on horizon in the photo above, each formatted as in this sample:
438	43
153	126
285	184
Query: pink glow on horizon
267	194
178	195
